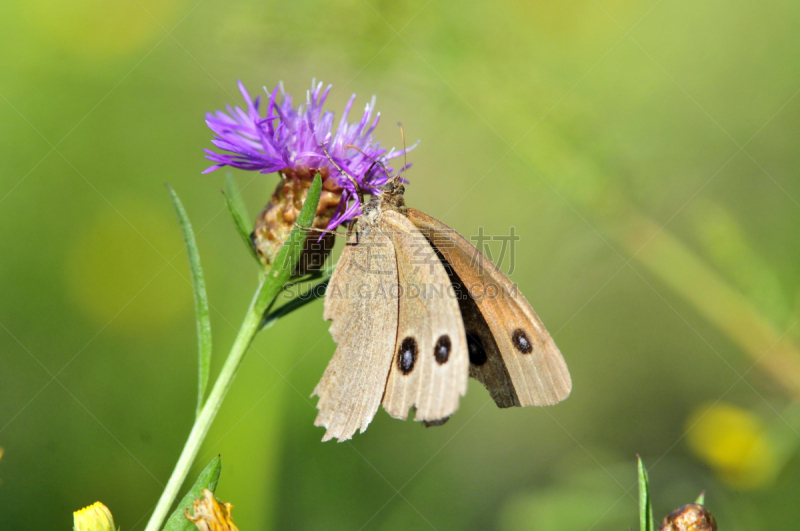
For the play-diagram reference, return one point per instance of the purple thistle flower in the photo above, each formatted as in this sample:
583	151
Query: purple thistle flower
291	141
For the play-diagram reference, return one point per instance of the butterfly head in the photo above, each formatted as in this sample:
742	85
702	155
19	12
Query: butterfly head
391	193
391	196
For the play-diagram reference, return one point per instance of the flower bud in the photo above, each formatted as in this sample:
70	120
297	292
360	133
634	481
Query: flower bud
211	515
735	443
692	517
95	517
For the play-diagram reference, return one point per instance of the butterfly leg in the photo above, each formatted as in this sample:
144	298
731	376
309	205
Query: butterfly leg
350	226
315	229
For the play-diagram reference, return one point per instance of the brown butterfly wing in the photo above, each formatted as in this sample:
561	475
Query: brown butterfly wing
431	365
365	330
533	372
486	362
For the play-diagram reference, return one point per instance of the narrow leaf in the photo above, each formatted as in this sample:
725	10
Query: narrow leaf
238	212
207	479
701	500
314	292
232	190
200	300
274	281
645	508
287	258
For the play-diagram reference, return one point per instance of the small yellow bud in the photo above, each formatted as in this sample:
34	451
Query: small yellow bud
692	517
210	515
735	443
95	517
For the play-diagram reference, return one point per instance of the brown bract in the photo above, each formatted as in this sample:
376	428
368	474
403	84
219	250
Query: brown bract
692	517
277	219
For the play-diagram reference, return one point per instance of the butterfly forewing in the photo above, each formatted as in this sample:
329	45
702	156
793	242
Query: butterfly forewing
364	327
430	366
537	371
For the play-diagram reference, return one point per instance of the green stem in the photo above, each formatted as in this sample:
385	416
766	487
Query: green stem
268	289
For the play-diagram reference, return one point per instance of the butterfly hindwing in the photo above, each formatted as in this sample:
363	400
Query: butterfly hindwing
364	328
486	362
429	370
533	371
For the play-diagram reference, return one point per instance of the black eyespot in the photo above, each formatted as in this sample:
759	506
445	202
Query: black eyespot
477	354
521	341
442	349
407	355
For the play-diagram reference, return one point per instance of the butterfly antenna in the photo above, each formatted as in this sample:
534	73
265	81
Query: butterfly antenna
405	159
374	162
359	193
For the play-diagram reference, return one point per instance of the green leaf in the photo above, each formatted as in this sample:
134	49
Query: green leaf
207	479
701	500
315	292
287	258
200	300
239	213
645	508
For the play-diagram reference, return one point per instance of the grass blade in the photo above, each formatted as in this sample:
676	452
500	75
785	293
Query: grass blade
701	500
200	300
239	213
645	508
207	479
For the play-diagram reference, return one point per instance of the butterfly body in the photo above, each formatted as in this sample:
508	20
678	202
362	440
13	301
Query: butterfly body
410	328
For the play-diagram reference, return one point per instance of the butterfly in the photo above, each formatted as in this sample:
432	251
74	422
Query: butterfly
416	310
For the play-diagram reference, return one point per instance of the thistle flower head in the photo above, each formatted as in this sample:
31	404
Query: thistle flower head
294	141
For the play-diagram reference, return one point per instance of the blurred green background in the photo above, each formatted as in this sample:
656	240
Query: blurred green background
645	151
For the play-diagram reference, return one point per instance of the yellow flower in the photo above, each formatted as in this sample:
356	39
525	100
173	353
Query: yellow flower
733	442
96	517
210	515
